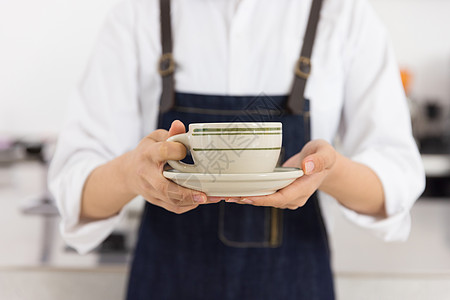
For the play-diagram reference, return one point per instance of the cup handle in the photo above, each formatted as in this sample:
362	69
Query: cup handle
179	165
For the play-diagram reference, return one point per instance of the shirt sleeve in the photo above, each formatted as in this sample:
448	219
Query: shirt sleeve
376	126
104	122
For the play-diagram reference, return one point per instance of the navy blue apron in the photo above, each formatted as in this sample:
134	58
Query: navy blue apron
225	250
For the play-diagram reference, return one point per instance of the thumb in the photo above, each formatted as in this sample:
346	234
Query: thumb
309	166
177	127
294	161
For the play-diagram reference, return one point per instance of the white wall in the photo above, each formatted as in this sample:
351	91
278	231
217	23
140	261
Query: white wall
420	32
44	45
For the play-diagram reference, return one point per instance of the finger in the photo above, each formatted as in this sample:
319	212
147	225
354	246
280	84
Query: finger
164	151
234	199
310	148
182	196
171	207
176	194
158	135
177	127
321	160
293	162
153	183
277	199
296	194
215	199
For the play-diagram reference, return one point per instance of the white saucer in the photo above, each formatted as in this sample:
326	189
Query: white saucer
236	185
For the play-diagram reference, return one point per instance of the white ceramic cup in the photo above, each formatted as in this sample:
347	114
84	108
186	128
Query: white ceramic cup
230	148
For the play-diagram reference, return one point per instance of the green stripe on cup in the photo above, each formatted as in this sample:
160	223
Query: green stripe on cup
238	133
234	149
235	129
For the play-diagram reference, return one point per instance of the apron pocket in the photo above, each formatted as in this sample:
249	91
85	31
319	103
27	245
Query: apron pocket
246	226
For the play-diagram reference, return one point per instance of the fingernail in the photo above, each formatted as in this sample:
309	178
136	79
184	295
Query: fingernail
231	200
309	167
248	201
199	198
214	199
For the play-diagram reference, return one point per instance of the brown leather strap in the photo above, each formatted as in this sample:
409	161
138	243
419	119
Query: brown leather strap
303	66
166	65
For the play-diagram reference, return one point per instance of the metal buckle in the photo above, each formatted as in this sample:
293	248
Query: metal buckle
303	67
166	64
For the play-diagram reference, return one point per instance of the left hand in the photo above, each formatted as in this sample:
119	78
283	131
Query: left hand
316	159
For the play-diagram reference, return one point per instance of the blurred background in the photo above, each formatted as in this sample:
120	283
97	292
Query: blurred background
44	47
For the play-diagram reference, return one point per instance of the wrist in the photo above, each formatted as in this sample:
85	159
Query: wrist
125	172
106	192
333	173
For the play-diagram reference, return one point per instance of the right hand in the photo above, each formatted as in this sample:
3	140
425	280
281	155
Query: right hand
145	165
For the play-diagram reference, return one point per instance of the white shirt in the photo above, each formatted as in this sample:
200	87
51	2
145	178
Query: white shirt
224	48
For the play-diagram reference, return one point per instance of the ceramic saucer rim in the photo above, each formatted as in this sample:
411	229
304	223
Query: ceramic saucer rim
280	173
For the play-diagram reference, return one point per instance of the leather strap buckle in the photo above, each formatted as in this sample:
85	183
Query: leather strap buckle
303	67
166	64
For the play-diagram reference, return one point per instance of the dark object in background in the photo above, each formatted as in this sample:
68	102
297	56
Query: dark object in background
44	203
432	133
437	187
34	150
433	111
435	134
9	151
13	150
114	243
438	144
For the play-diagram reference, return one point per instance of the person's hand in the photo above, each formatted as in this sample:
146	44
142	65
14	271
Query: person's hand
145	166
316	159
